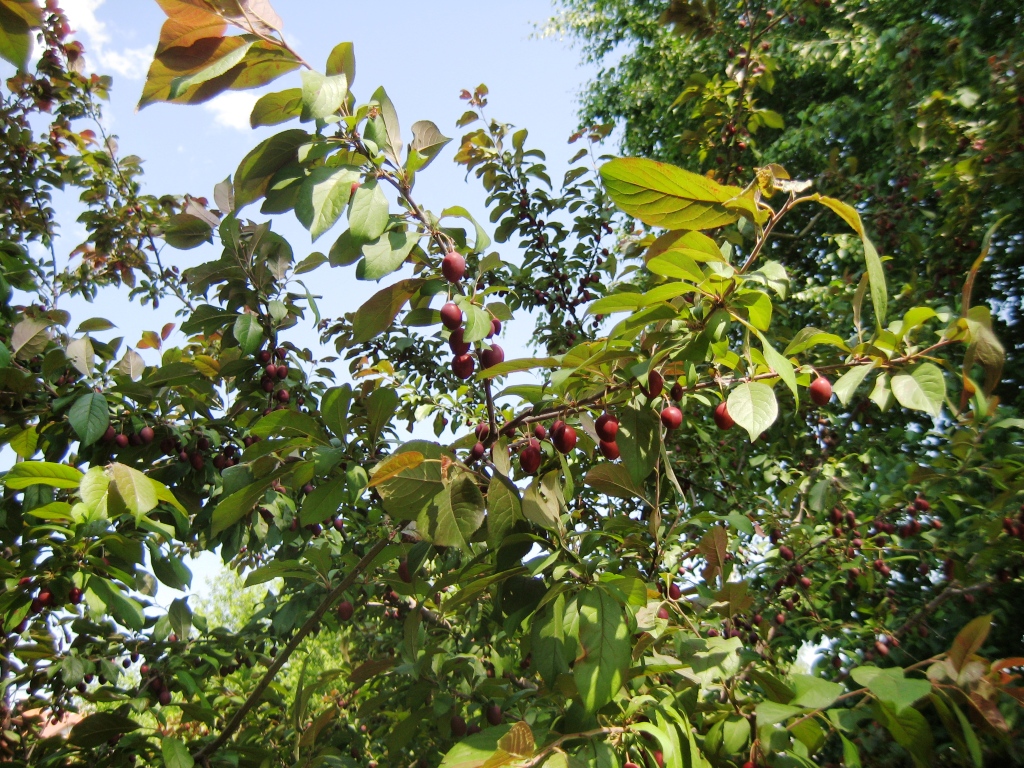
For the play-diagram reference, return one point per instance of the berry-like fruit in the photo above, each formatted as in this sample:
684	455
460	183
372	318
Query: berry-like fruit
529	459
109	435
482	430
609	450
458	725
780	618
264	356
495	327
785	553
674	592
663	613
282	371
75	595
477	452
196	459
453	267
655	383
345	610
557	427
463	366
121	441
677	392
403	572
456	343
540	432
820	391
492	357
565	440
147	434
271	371
283	396
495	715
607	427
722	418
339	524
451	315
281	353
671	417
165	697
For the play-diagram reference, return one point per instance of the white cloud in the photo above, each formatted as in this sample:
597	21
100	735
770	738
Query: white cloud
232	109
132	63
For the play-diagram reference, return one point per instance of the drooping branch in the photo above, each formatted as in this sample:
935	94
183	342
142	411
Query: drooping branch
305	630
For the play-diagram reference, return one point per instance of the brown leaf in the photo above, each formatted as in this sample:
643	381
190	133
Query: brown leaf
713	549
186	24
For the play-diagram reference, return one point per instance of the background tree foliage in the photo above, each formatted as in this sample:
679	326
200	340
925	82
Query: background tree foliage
915	109
734	444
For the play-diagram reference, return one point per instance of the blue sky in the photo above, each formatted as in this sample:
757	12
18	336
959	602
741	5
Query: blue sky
423	54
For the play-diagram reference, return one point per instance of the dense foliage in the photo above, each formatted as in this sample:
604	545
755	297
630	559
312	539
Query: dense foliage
721	457
916	109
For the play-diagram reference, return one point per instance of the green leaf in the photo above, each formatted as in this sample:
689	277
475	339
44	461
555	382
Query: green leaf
342	61
876	275
638	441
381	406
17	20
25	442
175	753
409	492
374	317
891	687
323	196
922	389
456	514
617	302
781	365
851	755
226	59
427	142
98	728
911	731
89	417
678	265
813	692
478	322
180	617
334	407
124	609
771	712
483	240
185	231
605	649
662	195
324	502
322	95
95	324
233	508
548	641
541	501
477	750
248	332
393	143
809	337
613	480
369	213
26	473
287	423
386	255
275	108
752	405
504	508
134	489
258	167
847	384
969	640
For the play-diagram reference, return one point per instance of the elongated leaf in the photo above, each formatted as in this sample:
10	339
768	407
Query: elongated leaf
504	508
175	753
369	213
638	441
605	649
322	95
613	480
324	502
248	332
323	197
27	473
969	640
394	465
17	19
662	195
99	728
847	384
342	61
876	275
258	167
455	515
386	255
379	311
274	108
135	490
89	417
753	406
411	490
922	389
